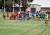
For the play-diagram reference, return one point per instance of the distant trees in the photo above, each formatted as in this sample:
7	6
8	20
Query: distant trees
24	3
10	3
1	3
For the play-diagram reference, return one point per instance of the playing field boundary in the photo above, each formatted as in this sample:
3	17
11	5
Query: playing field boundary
31	29
43	30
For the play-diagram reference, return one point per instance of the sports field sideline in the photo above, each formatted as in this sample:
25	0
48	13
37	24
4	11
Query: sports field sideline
27	27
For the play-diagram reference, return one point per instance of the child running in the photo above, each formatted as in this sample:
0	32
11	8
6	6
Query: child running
43	15
34	15
24	13
40	14
46	21
27	15
18	14
37	14
15	15
4	15
7	14
22	16
12	14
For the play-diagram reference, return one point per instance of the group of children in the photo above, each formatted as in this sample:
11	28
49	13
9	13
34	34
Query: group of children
22	15
4	15
42	15
18	15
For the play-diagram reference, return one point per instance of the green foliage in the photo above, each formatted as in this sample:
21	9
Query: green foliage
1	3
9	2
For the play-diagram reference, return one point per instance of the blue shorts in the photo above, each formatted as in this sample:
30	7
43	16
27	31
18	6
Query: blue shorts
22	16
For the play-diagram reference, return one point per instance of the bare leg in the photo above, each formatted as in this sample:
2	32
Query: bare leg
21	19
46	22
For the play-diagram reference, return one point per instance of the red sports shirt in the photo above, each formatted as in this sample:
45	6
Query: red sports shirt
7	14
4	14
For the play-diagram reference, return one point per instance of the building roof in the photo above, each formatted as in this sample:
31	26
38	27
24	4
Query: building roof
43	3
36	4
45	7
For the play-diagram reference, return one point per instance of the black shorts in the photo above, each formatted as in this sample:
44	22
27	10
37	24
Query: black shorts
16	15
19	16
24	16
36	15
40	16
4	16
32	15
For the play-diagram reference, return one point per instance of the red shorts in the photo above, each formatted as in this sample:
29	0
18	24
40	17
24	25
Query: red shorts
7	16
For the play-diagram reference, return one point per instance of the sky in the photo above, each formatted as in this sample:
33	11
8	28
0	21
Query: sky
43	3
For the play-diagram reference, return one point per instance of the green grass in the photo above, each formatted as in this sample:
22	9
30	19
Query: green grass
27	27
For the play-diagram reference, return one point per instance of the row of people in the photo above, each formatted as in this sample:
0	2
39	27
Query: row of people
22	15
18	15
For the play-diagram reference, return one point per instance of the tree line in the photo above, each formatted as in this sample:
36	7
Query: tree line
9	3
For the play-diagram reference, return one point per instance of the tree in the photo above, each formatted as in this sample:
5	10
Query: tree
24	3
9	3
1	3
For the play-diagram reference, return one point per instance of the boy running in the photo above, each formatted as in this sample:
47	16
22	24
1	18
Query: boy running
4	15
37	14
18	14
43	15
28	15
7	14
22	16
15	15
12	14
46	21
24	13
34	14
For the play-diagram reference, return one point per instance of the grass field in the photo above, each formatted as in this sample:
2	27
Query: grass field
27	27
